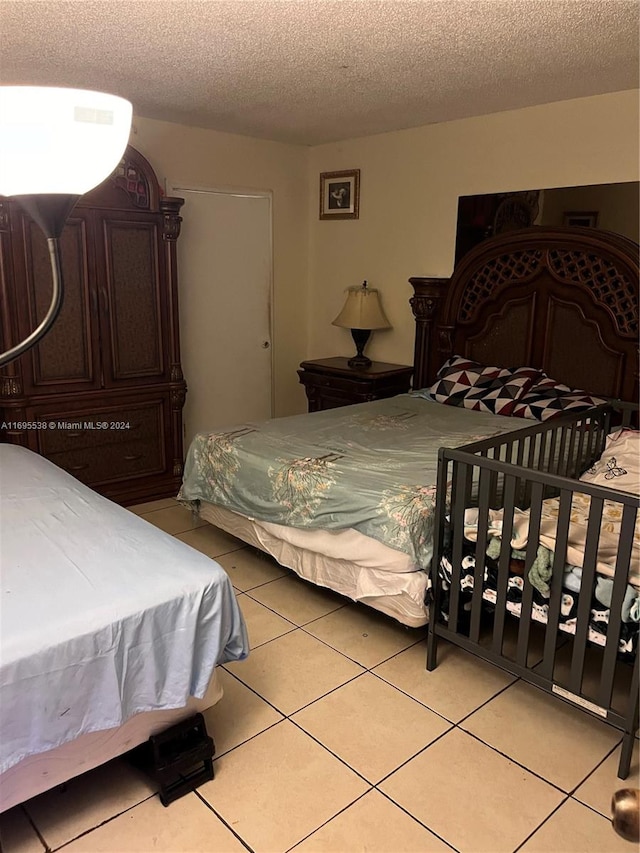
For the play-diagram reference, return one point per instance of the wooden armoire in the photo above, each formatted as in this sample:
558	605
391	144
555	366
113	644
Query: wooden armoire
102	394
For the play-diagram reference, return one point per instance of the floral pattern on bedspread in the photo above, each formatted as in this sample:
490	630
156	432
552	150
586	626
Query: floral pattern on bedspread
371	467
299	484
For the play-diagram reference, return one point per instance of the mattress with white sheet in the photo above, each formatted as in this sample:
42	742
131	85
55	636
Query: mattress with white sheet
102	615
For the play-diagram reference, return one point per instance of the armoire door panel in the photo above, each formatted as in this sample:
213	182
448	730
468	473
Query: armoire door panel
133	309
67	357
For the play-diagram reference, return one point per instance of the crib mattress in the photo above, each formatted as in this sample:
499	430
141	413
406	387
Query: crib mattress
103	616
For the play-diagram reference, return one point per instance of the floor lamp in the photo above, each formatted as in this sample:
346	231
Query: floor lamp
56	145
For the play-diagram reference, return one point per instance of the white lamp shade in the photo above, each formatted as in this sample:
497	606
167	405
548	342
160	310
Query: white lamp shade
64	141
362	310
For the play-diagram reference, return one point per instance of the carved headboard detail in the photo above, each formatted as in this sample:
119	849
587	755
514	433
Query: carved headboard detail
564	300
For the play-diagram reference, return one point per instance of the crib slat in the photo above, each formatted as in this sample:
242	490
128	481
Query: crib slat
584	602
620	581
503	564
457	531
562	453
481	550
631	724
555	600
442	487
527	594
553	468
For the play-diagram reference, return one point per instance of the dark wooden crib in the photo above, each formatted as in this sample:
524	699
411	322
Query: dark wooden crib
521	470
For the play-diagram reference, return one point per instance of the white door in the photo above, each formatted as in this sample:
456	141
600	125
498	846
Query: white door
225	284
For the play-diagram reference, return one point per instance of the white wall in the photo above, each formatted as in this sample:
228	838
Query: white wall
410	183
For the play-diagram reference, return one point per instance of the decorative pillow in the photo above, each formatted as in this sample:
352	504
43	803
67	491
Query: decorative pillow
619	465
550	399
465	383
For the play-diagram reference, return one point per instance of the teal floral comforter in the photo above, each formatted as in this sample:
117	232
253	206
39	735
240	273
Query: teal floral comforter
370	466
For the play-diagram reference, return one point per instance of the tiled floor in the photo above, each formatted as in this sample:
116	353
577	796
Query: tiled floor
331	736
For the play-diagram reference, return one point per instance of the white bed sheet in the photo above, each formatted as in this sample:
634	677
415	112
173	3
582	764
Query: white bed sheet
102	615
38	773
346	561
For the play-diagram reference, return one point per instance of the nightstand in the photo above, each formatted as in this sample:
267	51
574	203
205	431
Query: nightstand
330	382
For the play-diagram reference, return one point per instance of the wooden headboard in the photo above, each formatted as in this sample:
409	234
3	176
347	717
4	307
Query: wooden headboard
564	300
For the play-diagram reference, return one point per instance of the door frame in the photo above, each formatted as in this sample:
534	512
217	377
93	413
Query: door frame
176	187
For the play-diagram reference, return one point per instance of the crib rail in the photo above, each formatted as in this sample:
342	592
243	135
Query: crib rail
519	472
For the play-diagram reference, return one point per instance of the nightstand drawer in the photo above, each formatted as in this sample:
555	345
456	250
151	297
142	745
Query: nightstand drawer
331	383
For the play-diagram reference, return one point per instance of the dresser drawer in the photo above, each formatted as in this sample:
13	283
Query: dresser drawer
105	444
110	462
73	431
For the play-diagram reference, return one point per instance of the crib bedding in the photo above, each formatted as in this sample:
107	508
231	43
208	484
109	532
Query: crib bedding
103	616
599	608
371	467
624	443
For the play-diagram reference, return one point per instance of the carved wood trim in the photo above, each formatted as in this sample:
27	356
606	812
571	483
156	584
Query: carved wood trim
426	304
595	270
132	184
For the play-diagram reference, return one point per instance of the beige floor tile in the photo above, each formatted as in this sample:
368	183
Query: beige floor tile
187	826
86	801
173	519
397	727
17	835
210	540
372	824
576	829
294	670
297	600
151	506
468	794
456	687
363	634
279	787
262	624
238	716
603	782
559	742
249	568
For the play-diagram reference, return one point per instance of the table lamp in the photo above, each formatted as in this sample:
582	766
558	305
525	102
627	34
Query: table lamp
56	145
362	312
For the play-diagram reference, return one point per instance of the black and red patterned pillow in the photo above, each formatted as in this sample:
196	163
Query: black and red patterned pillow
550	399
466	383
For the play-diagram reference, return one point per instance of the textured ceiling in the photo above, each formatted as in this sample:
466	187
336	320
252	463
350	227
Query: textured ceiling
313	71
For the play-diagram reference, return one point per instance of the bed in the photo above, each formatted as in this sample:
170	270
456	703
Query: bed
110	629
559	301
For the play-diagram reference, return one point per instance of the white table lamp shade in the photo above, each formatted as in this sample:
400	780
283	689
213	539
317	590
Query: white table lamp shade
59	141
362	310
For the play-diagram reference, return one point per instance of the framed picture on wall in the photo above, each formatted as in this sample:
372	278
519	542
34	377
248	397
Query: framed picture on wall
340	194
583	218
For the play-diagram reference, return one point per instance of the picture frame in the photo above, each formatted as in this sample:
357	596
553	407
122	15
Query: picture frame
340	194
581	218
